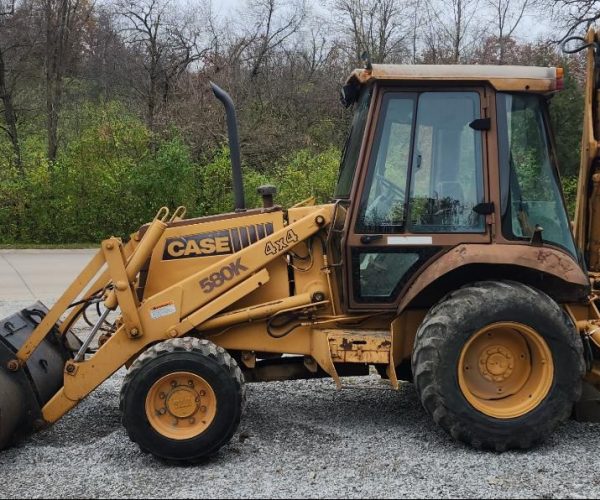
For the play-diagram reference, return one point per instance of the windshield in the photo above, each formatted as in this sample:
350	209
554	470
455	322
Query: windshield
353	144
531	196
424	146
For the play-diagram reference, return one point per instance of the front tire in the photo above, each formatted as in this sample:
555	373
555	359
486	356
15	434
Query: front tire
498	365
182	399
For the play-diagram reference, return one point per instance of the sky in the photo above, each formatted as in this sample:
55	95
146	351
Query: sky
532	26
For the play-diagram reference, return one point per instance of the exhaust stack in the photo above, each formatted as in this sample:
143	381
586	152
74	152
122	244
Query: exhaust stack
234	146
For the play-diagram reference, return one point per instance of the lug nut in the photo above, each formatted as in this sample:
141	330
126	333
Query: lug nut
202	393
192	420
191	383
174	384
203	409
162	395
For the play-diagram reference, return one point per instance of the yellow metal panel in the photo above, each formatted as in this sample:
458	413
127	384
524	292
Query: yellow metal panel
516	78
321	352
311	276
352	346
585	214
254	337
208	283
222	301
164	272
123	289
253	313
184	298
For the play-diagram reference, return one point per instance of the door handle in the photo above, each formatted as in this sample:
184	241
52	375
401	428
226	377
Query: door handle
370	238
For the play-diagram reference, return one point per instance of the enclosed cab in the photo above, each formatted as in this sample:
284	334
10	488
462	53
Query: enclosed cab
452	175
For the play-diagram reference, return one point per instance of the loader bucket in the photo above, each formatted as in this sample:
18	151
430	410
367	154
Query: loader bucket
25	391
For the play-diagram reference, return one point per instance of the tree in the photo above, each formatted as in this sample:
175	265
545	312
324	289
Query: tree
165	41
62	20
507	15
7	12
451	25
270	23
16	43
105	60
576	15
379	27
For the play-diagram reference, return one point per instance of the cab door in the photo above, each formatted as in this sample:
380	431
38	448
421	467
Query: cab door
421	190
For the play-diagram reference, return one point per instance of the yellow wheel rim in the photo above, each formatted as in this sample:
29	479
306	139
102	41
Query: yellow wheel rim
505	370
181	405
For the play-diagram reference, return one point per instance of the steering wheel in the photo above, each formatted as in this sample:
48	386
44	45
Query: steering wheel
390	186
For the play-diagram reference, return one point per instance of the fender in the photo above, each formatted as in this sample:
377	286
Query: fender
544	259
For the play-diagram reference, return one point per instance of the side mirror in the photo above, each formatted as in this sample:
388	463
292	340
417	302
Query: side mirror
349	94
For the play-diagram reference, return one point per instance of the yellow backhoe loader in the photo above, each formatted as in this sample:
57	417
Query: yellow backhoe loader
446	258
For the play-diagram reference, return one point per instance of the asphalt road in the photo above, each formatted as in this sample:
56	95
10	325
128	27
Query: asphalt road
39	274
296	439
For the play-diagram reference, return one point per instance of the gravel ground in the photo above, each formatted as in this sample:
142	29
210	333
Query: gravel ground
299	439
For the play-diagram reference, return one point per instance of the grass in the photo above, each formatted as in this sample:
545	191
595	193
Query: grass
51	246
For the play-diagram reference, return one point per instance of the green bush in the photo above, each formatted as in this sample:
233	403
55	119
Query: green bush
569	185
106	182
113	176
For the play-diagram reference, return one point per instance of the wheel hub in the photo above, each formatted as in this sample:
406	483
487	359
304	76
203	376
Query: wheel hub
181	405
181	402
505	369
496	363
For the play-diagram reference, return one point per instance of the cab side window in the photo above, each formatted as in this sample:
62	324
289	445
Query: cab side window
383	208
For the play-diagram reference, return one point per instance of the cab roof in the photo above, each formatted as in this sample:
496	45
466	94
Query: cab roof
507	78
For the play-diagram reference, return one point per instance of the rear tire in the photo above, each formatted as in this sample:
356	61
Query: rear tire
498	365
182	399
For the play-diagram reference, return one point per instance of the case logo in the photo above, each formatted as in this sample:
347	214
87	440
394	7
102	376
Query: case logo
213	243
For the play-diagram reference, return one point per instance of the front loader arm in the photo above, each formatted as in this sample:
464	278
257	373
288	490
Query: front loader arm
176	310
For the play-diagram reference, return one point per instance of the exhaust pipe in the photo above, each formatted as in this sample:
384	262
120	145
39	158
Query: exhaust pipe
234	146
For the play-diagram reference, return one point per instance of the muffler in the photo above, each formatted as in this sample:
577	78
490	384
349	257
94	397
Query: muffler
25	390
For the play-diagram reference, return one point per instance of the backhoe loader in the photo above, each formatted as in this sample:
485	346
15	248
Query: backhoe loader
445	258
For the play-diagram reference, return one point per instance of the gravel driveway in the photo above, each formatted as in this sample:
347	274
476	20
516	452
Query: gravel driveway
300	438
